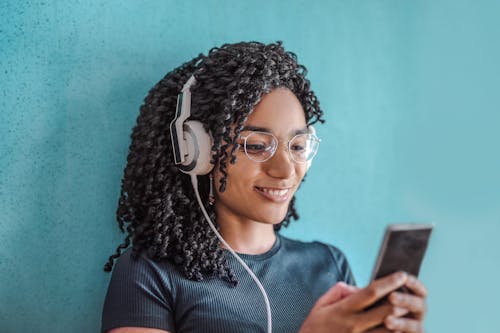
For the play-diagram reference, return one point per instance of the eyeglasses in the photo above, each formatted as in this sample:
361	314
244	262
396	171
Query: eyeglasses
261	146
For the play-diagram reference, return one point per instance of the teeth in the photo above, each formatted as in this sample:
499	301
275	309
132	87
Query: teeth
278	193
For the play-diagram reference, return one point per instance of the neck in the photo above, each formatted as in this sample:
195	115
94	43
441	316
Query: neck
248	238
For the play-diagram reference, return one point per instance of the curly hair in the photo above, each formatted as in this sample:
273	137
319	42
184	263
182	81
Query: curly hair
157	206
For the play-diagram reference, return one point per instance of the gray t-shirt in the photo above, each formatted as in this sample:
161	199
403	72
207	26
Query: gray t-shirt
147	293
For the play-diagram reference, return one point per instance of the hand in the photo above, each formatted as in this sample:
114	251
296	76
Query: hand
339	291
342	308
413	304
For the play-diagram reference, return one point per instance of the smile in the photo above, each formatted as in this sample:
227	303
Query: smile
274	194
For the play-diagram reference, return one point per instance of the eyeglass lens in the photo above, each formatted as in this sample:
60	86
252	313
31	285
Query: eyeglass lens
260	146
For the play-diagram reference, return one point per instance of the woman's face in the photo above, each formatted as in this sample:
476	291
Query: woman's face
261	191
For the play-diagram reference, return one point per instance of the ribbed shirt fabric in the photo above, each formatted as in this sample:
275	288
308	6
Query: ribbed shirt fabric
147	293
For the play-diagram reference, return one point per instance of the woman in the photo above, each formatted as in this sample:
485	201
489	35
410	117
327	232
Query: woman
178	276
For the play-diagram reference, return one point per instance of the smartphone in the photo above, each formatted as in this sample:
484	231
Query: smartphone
402	249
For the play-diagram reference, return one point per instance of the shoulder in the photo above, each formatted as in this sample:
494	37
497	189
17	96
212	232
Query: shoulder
140	259
130	261
140	294
319	253
133	267
311	248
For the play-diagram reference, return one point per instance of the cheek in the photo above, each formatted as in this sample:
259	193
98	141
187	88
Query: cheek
301	170
239	176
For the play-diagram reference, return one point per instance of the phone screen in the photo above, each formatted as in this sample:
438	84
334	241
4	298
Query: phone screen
403	249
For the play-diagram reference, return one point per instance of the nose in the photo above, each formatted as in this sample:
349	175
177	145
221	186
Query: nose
281	165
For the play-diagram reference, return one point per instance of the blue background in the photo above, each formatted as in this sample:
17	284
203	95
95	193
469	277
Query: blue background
410	91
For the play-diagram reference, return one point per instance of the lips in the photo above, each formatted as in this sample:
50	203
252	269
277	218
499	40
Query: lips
274	194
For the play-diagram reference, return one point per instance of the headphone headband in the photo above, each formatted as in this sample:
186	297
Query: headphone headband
182	113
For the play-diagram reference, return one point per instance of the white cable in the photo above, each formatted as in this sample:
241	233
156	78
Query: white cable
194	181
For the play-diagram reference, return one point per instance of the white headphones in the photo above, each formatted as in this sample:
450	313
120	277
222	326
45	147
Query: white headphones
190	142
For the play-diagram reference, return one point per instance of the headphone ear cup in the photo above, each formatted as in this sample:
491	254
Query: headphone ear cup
199	145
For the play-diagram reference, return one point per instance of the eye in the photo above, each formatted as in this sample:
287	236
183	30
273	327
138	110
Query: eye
298	147
257	148
258	143
299	143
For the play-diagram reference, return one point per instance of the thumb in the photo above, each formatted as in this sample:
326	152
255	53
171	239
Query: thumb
336	293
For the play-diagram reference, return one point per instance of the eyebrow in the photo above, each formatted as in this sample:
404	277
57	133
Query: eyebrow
266	130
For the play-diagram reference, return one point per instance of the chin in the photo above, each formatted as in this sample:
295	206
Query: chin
272	217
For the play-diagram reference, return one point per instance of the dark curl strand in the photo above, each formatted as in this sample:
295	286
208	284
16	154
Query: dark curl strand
157	205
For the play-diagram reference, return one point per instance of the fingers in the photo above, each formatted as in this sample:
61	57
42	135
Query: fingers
375	317
406	325
414	304
359	309
416	286
335	293
375	290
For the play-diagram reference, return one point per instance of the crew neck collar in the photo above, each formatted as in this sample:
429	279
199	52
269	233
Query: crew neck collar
262	256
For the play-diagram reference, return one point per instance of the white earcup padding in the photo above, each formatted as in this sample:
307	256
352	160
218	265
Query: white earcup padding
199	145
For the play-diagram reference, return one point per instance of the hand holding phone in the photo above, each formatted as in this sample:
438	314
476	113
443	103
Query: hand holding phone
360	309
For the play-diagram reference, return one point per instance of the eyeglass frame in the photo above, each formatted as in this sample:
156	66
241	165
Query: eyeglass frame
318	140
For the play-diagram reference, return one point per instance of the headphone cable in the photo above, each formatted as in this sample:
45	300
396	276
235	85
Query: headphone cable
194	181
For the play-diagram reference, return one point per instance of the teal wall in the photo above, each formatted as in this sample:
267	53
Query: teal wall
410	90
